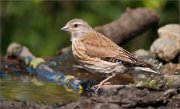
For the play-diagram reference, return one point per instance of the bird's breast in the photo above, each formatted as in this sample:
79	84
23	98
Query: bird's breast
78	50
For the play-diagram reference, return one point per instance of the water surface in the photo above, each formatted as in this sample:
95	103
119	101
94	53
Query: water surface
30	89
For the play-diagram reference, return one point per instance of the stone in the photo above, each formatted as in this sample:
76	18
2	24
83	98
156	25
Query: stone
165	48
170	31
171	69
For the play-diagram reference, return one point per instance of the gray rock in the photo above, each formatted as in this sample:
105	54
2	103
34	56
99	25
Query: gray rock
167	46
170	31
144	54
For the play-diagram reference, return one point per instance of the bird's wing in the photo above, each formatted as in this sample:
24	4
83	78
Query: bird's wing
97	45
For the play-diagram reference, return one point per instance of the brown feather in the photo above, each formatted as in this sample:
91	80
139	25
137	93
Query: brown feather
97	45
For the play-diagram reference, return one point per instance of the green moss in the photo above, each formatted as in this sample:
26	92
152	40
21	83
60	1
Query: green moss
150	84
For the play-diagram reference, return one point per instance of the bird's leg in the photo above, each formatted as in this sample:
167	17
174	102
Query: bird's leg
104	81
107	83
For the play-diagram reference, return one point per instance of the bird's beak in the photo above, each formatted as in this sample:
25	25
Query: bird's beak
65	28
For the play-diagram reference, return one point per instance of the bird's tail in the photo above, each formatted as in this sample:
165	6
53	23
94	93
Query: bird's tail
147	69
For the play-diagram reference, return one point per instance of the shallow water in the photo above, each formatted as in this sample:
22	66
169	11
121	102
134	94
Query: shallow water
29	89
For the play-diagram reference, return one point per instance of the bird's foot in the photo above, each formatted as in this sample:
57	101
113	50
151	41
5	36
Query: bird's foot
103	82
97	87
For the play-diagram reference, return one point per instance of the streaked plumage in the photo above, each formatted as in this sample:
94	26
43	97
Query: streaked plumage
98	54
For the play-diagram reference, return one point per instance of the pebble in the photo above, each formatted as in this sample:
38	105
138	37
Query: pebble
167	46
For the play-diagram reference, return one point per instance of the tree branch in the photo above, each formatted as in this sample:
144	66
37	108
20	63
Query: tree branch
129	25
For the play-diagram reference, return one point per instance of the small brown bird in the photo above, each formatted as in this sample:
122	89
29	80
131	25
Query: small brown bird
98	54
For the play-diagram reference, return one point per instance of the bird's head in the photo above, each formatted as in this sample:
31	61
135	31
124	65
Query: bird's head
77	28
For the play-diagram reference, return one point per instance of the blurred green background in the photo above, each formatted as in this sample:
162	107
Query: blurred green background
36	23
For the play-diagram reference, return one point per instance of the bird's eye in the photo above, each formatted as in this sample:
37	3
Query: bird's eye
75	25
